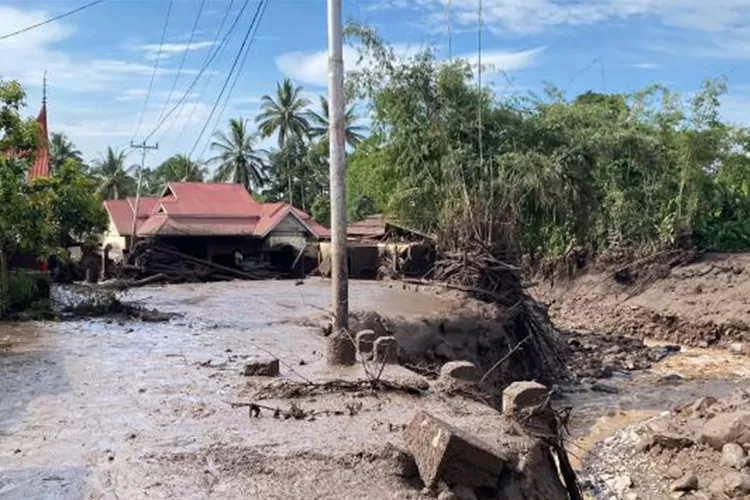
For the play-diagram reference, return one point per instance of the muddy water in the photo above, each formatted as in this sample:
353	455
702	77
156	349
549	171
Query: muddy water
97	409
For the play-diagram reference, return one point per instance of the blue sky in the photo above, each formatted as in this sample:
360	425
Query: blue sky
99	61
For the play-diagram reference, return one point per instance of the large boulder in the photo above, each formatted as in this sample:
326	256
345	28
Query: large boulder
726	428
733	455
521	395
737	484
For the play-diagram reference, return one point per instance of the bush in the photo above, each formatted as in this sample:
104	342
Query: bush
22	290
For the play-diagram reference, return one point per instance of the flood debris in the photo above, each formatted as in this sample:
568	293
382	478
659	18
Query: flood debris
261	368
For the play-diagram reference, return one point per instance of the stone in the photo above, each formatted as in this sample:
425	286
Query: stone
386	350
520	395
716	488
671	378
736	484
447	495
688	482
444	351
631	496
461	371
445	453
621	483
733	455
670	441
674	472
261	368
605	388
737	348
733	427
365	343
702	404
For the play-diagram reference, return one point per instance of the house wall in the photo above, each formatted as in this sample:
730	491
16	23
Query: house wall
116	242
288	232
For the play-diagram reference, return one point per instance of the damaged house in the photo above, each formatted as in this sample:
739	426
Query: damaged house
217	222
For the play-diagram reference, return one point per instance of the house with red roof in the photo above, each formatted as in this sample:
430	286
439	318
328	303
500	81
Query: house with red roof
208	220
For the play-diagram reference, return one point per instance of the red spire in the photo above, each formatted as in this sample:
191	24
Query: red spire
40	168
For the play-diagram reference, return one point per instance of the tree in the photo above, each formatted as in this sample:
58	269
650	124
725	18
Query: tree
114	178
284	116
320	125
62	149
177	168
237	160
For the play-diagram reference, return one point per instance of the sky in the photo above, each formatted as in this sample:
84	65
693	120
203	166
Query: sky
100	61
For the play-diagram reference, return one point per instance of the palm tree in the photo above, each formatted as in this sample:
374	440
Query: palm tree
284	116
354	133
60	149
238	160
114	178
179	168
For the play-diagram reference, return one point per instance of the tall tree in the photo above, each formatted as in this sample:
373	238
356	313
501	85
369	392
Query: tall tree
319	122
237	160
177	168
114	178
61	148
284	116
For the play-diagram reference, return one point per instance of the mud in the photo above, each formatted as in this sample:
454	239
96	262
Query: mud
703	304
98	409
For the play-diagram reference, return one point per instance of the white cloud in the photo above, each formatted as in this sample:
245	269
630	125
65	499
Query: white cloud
646	66
156	96
170	49
519	17
312	67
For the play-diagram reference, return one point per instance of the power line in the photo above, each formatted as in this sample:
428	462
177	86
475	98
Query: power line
208	80
156	67
182	61
229	76
236	78
51	19
200	73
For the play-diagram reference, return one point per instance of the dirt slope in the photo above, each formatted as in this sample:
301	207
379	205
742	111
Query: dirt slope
702	304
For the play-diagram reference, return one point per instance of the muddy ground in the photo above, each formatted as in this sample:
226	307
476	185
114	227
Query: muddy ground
127	409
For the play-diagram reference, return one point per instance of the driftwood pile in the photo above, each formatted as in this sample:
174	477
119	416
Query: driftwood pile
150	262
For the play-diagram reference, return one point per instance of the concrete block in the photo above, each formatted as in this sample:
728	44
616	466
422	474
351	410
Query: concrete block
520	395
365	343
386	350
445	453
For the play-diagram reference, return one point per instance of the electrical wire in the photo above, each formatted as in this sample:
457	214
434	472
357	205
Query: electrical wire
207	83
156	67
229	76
236	78
182	61
200	73
51	19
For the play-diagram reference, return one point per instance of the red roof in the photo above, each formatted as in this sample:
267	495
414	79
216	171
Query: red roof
40	168
205	209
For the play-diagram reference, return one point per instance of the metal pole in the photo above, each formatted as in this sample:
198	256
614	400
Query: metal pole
143	147
340	344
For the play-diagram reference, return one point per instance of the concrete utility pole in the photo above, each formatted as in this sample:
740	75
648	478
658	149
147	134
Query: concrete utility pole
144	148
340	344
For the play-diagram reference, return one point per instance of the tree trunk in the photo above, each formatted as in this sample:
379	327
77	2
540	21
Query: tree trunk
4	282
289	177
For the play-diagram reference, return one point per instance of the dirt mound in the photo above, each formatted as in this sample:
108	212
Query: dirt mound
699	449
699	303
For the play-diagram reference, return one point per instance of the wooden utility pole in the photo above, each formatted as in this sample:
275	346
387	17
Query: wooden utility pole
144	148
340	344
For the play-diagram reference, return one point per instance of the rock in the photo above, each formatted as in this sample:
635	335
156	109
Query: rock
716	488
444	453
671	378
520	395
736	484
688	482
702	404
365	343
461	371
261	368
621	483
447	495
674	472
631	496
726	428
671	441
602	387
386	350
444	351
733	455
737	348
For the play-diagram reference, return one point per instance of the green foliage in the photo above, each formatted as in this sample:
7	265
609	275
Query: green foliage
114	178
176	168
237	158
600	173
22	290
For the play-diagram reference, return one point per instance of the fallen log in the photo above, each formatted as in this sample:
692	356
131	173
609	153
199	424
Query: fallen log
121	284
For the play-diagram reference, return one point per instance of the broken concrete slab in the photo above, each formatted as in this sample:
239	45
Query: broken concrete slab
365	343
521	395
386	350
261	368
445	453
